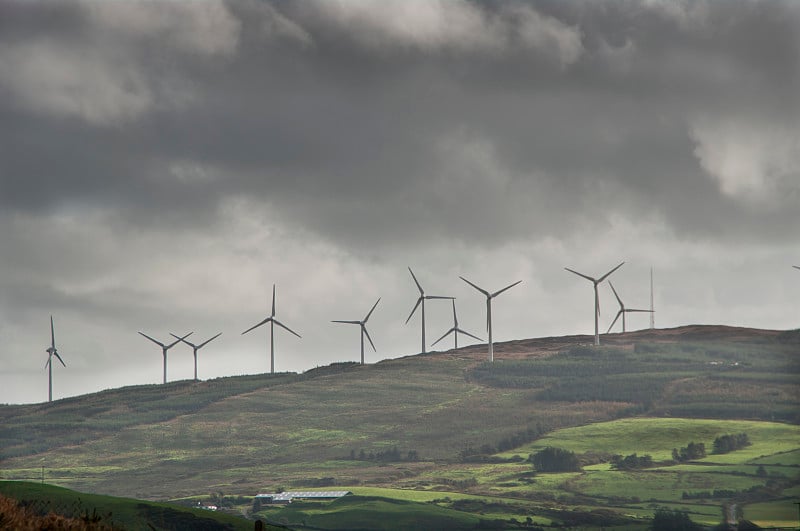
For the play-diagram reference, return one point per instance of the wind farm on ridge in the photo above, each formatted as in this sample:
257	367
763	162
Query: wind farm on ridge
419	304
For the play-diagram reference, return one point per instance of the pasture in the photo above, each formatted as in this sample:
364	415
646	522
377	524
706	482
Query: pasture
449	429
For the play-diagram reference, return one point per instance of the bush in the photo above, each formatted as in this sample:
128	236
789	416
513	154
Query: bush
729	443
631	462
668	520
555	460
690	452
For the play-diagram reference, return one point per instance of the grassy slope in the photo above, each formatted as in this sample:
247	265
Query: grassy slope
123	512
246	434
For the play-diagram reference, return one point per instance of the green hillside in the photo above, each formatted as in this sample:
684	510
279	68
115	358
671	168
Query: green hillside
118	513
447	424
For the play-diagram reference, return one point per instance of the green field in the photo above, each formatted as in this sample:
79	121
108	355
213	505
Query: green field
123	513
449	435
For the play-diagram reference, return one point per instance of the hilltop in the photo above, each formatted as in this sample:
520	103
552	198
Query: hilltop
397	423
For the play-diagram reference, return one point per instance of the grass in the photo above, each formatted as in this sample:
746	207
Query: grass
244	435
123	512
374	513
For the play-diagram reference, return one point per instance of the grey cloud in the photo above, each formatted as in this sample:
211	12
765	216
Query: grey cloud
496	120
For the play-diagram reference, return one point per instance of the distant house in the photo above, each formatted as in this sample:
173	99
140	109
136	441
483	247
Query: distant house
288	496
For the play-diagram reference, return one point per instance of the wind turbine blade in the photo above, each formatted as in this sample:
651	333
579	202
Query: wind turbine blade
348	322
364	328
796	267
183	340
52	333
474	286
614	321
372	310
597	305
159	343
59	359
47	363
580	274
438	297
607	274
445	335
207	341
285	327
468	334
273	301
178	340
496	293
268	319
414	309
615	294
421	291
644	311
455	317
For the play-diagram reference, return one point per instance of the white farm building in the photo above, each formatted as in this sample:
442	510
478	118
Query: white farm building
288	496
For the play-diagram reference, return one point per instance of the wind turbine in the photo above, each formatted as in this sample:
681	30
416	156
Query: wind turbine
165	348
363	324
455	330
622	310
652	307
421	303
195	348
272	322
489	297
49	365
596	298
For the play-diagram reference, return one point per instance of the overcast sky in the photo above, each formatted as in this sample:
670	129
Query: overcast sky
163	164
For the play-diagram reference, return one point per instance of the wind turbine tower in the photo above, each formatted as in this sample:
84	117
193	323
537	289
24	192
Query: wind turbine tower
195	348
489	297
622	310
51	351
272	322
363	325
165	348
455	330
652	307
421	304
596	282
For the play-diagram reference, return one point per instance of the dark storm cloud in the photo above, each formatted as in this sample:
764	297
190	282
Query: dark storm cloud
399	121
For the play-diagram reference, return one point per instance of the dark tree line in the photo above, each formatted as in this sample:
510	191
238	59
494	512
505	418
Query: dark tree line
631	462
391	455
728	443
471	454
666	519
690	452
555	460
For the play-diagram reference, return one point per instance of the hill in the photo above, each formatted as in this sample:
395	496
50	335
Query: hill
420	422
106	512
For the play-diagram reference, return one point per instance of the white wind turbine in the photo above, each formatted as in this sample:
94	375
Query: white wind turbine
489	297
195	348
272	322
363	325
622	310
165	348
455	330
421	303
51	351
596	298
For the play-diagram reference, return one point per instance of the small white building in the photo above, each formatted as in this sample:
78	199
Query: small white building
289	495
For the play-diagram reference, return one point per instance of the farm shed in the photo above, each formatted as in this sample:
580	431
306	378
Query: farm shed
288	496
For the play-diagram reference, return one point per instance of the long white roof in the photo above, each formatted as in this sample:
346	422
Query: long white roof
288	495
